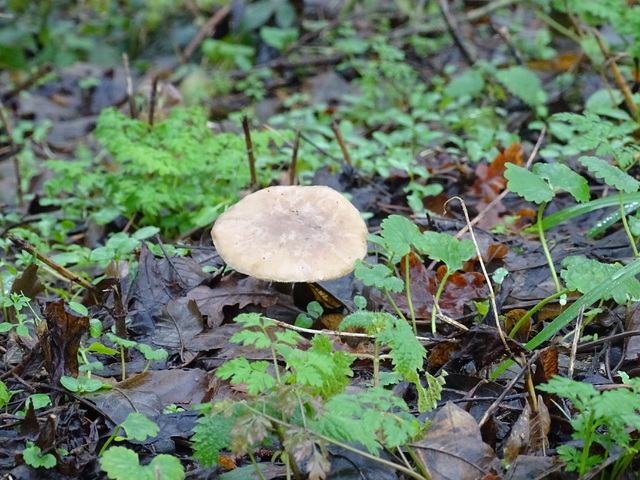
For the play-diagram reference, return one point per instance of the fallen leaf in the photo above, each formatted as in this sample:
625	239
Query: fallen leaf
453	449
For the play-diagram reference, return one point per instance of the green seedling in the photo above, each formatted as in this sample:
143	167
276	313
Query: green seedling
34	457
121	463
598	424
305	404
82	384
540	186
406	353
314	311
18	302
122	344
152	355
398	238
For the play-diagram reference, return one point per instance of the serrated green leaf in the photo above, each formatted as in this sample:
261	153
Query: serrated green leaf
407	353
448	249
610	174
526	184
582	274
399	234
561	177
379	276
139	427
253	374
212	434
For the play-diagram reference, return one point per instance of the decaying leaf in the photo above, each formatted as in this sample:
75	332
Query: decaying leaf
452	448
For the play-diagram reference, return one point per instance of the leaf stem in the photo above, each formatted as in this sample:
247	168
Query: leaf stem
545	248
540	304
437	299
407	283
623	217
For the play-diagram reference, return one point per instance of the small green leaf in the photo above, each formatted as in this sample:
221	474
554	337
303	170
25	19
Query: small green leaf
32	457
121	341
448	249
399	234
78	308
151	354
582	274
139	427
524	84
120	463
561	177
145	232
526	184
70	383
100	348
253	374
168	466
610	174
379	276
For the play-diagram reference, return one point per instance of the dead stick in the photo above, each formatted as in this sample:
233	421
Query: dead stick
154	99
205	31
343	147
41	72
249	143
294	159
26	246
453	31
14	146
133	111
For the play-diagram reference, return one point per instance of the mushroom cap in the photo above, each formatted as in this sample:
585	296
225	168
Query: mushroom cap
291	234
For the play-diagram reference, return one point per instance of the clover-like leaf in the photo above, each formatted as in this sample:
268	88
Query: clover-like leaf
379	276
610	174
527	184
448	249
399	233
561	177
582	274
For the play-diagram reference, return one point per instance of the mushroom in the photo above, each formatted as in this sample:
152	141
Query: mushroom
291	234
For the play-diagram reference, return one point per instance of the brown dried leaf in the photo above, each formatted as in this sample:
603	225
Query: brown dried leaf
452	448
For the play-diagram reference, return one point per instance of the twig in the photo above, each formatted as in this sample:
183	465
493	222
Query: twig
453	31
505	192
133	110
345	153
249	143
507	388
14	147
492	295
294	159
205	31
153	99
41	72
574	344
25	245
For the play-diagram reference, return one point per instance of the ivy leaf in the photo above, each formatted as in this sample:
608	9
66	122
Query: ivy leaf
379	276
399	233
527	184
448	249
582	274
561	177
139	427
610	174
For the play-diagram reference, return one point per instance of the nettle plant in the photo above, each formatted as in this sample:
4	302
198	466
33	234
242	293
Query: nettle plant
175	175
303	408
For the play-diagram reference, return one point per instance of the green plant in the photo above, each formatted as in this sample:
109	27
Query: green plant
34	457
82	384
121	463
150	163
596	422
398	238
17	301
304	405
540	186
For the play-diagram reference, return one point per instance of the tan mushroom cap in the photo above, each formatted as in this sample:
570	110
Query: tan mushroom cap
291	234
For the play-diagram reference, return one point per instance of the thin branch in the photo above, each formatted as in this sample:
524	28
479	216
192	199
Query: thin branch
205	31
250	154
